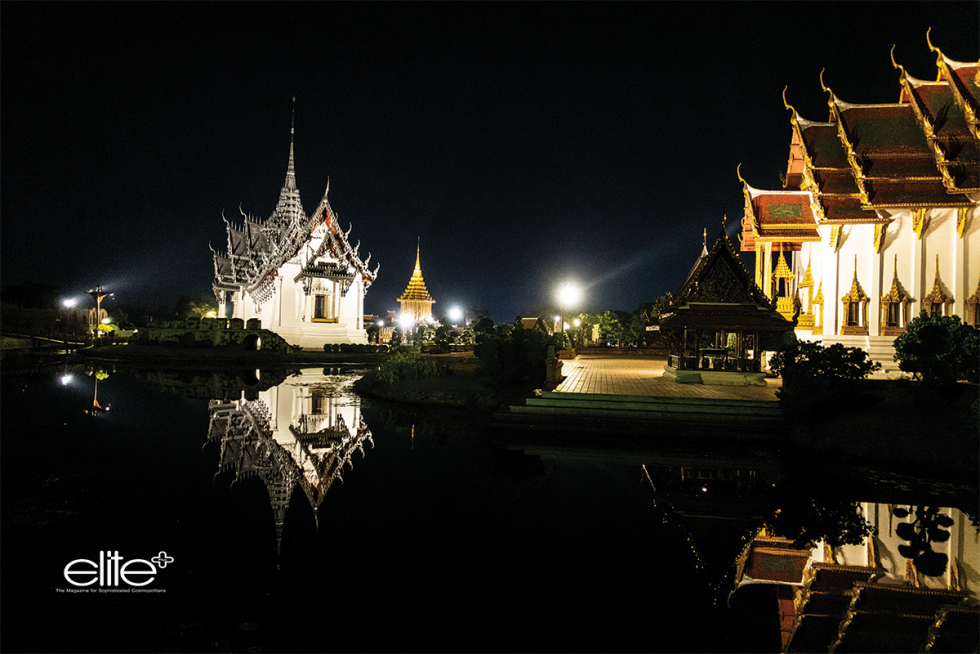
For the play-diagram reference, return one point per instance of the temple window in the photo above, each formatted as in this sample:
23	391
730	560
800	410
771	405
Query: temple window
855	308
973	308
894	307
938	302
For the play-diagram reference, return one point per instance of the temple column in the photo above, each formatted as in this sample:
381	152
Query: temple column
960	283
920	285
360	306
874	307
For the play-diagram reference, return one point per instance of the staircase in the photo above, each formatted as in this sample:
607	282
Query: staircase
593	411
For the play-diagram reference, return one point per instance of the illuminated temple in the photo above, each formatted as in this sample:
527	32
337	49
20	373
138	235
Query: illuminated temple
416	303
296	273
877	218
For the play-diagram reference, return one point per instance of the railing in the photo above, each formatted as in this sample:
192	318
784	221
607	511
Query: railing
716	362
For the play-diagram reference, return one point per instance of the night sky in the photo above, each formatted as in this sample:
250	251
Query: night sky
523	144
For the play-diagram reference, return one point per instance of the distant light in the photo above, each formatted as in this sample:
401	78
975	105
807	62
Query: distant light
211	314
704	489
381	323
455	314
106	321
405	321
65	380
577	322
70	302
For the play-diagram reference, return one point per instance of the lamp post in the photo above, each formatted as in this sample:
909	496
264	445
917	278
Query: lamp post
568	294
98	294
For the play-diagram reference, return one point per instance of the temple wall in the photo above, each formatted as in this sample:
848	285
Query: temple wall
914	258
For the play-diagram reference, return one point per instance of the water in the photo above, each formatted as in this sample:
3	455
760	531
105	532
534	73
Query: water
438	533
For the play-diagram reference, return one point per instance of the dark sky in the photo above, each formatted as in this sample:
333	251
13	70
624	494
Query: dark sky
524	144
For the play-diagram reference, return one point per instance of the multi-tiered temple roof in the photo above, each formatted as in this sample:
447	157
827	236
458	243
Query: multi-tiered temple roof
416	301
921	152
258	249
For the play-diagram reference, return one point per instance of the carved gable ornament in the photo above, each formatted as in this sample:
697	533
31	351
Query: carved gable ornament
720	284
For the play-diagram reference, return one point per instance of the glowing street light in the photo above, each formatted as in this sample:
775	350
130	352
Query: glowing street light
455	314
568	294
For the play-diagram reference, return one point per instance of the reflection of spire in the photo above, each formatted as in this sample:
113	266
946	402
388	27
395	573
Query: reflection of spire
310	454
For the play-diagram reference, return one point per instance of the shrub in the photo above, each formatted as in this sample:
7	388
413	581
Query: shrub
809	520
813	374
407	365
939	350
509	356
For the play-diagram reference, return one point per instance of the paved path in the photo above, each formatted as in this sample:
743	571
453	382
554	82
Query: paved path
645	377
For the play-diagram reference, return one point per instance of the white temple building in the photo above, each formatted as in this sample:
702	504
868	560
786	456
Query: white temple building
296	273
878	217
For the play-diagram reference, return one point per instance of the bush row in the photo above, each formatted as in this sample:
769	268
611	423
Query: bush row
355	348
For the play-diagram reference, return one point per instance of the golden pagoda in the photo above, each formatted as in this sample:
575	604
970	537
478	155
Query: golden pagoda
416	303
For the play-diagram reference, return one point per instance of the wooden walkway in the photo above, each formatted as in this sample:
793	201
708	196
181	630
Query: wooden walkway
645	377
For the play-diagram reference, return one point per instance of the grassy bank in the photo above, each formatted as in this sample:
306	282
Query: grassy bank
459	384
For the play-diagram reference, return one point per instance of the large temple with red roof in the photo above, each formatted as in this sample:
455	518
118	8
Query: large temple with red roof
877	219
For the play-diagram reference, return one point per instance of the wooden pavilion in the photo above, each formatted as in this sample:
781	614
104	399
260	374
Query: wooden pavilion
717	320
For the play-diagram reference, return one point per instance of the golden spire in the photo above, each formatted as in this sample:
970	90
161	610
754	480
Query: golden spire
416	301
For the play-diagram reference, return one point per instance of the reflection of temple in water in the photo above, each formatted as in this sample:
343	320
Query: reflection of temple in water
867	597
870	597
300	433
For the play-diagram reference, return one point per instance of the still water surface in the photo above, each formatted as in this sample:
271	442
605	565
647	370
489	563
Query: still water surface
404	531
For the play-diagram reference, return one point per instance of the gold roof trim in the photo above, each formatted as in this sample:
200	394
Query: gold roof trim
942	64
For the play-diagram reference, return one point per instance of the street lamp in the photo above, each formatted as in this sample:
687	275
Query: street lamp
568	294
98	294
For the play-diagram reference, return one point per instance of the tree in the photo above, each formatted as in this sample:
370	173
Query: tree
939	350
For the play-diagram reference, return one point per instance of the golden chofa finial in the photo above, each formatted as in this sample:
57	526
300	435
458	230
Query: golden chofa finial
895	64
822	85
932	48
738	171
786	104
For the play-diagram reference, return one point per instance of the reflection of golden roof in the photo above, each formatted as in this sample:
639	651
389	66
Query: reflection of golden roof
416	290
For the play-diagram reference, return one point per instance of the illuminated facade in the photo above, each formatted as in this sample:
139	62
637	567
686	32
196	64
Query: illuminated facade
878	216
296	273
416	303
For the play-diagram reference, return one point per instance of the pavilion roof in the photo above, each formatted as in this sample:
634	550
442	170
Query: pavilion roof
720	293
